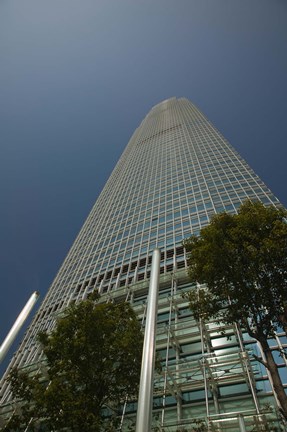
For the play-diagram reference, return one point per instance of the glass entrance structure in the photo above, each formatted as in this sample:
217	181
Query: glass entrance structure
175	173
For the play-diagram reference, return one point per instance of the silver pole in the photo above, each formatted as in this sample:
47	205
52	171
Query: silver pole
144	413
242	427
17	325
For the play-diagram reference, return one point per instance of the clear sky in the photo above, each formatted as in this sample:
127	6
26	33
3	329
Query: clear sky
76	79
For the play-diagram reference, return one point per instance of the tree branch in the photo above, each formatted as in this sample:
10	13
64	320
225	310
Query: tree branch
259	359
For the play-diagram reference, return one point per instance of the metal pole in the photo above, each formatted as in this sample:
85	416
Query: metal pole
144	413
242	427
17	325
166	361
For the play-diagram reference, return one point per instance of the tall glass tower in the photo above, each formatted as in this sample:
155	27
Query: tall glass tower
175	173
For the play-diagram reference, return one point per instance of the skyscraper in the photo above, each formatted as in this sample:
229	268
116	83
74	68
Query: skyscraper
175	173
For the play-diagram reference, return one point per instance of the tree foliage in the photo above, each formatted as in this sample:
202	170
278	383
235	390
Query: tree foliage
242	260
93	360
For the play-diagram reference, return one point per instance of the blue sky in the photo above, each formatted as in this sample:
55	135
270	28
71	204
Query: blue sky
76	79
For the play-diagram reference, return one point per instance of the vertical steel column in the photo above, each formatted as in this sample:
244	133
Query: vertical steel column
135	279
100	289
203	361
246	362
123	414
177	367
145	399
241	422
166	359
17	325
248	368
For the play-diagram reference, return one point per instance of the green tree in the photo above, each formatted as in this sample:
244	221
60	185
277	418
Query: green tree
242	260
93	360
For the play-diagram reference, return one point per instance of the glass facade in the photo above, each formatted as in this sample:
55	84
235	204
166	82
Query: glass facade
175	173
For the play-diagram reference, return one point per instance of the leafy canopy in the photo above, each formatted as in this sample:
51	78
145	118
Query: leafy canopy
93	360
242	260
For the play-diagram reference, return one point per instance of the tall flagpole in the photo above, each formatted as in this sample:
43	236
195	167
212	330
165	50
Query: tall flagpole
144	413
17	325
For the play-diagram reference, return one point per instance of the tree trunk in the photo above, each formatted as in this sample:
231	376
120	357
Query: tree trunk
283	319
274	373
